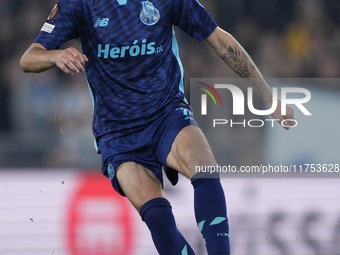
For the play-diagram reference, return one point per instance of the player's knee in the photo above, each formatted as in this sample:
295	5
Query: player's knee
181	161
184	157
192	157
203	157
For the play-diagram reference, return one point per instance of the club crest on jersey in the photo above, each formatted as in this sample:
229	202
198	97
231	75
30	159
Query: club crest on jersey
149	15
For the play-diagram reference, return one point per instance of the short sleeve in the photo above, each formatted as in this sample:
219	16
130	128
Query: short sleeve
60	25
192	18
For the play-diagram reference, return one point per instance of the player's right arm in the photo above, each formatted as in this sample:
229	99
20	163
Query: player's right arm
38	59
233	54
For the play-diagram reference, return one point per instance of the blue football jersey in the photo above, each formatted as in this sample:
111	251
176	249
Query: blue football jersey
134	72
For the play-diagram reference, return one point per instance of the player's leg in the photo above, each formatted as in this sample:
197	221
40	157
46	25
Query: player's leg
138	183
190	148
144	191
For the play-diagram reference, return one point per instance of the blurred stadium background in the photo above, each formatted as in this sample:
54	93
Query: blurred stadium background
52	197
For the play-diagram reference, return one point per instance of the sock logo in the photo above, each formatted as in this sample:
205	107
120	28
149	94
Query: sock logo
200	225
185	250
223	234
217	220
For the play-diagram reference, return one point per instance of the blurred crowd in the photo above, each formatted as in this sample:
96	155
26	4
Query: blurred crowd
45	120
286	38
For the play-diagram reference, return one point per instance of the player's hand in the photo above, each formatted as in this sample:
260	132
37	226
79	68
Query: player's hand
287	118
70	60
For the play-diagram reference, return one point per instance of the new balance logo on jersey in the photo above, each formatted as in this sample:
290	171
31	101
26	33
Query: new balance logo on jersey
101	22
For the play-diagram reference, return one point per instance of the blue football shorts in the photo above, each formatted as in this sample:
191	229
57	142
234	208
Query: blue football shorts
148	147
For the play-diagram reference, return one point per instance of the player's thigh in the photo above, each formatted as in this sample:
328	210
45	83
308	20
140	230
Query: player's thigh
138	183
189	149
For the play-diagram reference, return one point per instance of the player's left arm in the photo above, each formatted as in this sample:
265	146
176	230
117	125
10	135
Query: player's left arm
233	54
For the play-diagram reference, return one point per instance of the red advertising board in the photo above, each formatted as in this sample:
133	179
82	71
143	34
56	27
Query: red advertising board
99	219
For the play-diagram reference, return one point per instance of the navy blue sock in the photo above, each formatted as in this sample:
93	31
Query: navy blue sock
158	216
211	214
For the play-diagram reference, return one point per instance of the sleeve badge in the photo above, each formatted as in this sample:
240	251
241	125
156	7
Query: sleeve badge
53	12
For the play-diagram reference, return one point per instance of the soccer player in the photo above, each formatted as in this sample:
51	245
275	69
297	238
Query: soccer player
142	121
